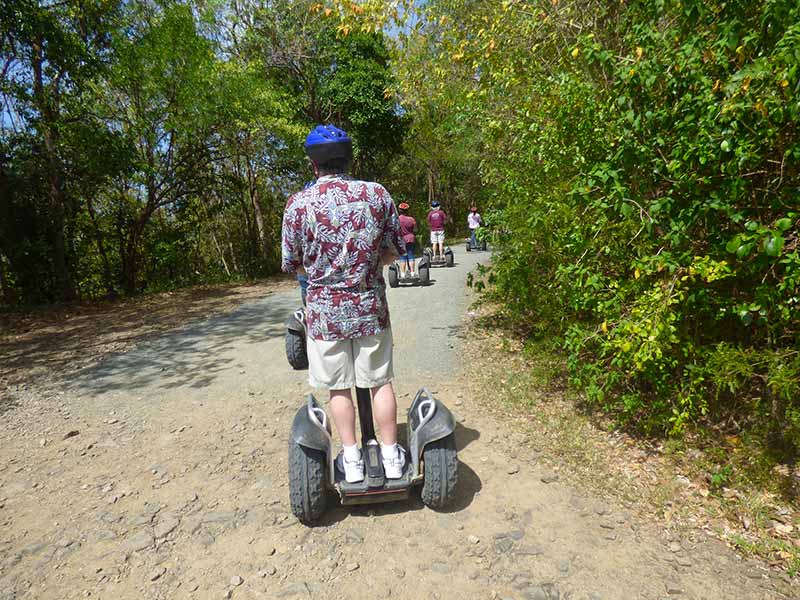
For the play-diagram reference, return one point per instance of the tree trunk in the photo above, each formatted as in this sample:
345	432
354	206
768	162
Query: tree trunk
130	256
130	261
233	257
109	279
9	297
252	188
48	112
220	253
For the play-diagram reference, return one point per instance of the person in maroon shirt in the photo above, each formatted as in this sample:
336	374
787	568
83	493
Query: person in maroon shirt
436	220
408	227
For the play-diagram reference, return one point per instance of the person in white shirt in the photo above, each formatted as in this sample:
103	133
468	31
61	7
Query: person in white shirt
474	221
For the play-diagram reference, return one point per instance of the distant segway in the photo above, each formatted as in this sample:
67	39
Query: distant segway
422	276
438	261
432	457
481	245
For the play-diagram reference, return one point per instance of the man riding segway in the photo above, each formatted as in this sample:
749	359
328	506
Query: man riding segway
408	226
340	232
436	220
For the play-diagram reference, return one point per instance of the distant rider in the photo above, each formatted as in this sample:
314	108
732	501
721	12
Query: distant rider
340	232
474	221
436	219
408	227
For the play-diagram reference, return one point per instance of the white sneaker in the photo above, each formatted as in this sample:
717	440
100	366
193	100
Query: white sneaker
393	467
353	471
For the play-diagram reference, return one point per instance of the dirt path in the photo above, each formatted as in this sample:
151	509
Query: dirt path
161	473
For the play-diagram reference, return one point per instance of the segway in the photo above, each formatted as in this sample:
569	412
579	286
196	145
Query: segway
295	340
438	261
481	245
422	276
432	460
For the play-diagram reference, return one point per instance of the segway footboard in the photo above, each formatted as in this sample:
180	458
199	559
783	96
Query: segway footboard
428	421
360	492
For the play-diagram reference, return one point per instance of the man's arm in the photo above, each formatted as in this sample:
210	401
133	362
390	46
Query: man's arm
393	245
291	239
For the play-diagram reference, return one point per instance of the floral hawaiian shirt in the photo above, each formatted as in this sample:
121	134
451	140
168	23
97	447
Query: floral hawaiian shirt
336	230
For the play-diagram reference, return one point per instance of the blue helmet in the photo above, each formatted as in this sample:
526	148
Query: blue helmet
435	204
328	142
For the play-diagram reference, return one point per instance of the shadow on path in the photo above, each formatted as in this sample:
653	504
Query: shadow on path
194	356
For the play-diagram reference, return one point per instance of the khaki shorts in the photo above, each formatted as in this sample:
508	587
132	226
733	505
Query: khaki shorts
363	362
437	237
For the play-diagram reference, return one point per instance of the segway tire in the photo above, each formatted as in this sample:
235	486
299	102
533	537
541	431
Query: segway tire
306	482
469	246
483	245
424	275
394	280
450	260
296	352
441	472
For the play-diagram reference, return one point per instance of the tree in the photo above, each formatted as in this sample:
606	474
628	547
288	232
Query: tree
334	74
51	52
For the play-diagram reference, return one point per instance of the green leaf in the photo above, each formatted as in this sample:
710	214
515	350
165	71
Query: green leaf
774	245
744	250
783	224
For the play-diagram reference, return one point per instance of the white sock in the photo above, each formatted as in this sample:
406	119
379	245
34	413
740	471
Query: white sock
351	453
389	451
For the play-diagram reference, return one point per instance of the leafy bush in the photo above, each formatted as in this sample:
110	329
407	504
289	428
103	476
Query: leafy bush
643	160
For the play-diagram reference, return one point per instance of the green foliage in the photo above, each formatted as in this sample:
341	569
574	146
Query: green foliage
149	145
643	160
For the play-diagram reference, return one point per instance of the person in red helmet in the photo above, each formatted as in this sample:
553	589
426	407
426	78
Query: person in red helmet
408	227
437	219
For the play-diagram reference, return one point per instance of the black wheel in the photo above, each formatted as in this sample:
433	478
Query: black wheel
441	472
450	260
306	482
424	275
469	247
393	279
483	245
296	352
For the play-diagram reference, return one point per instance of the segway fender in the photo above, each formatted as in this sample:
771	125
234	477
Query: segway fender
296	322
428	420
311	427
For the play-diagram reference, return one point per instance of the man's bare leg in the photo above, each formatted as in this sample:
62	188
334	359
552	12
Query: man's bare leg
385	409
344	415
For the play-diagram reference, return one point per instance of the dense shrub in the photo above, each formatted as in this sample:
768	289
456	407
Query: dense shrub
643	161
